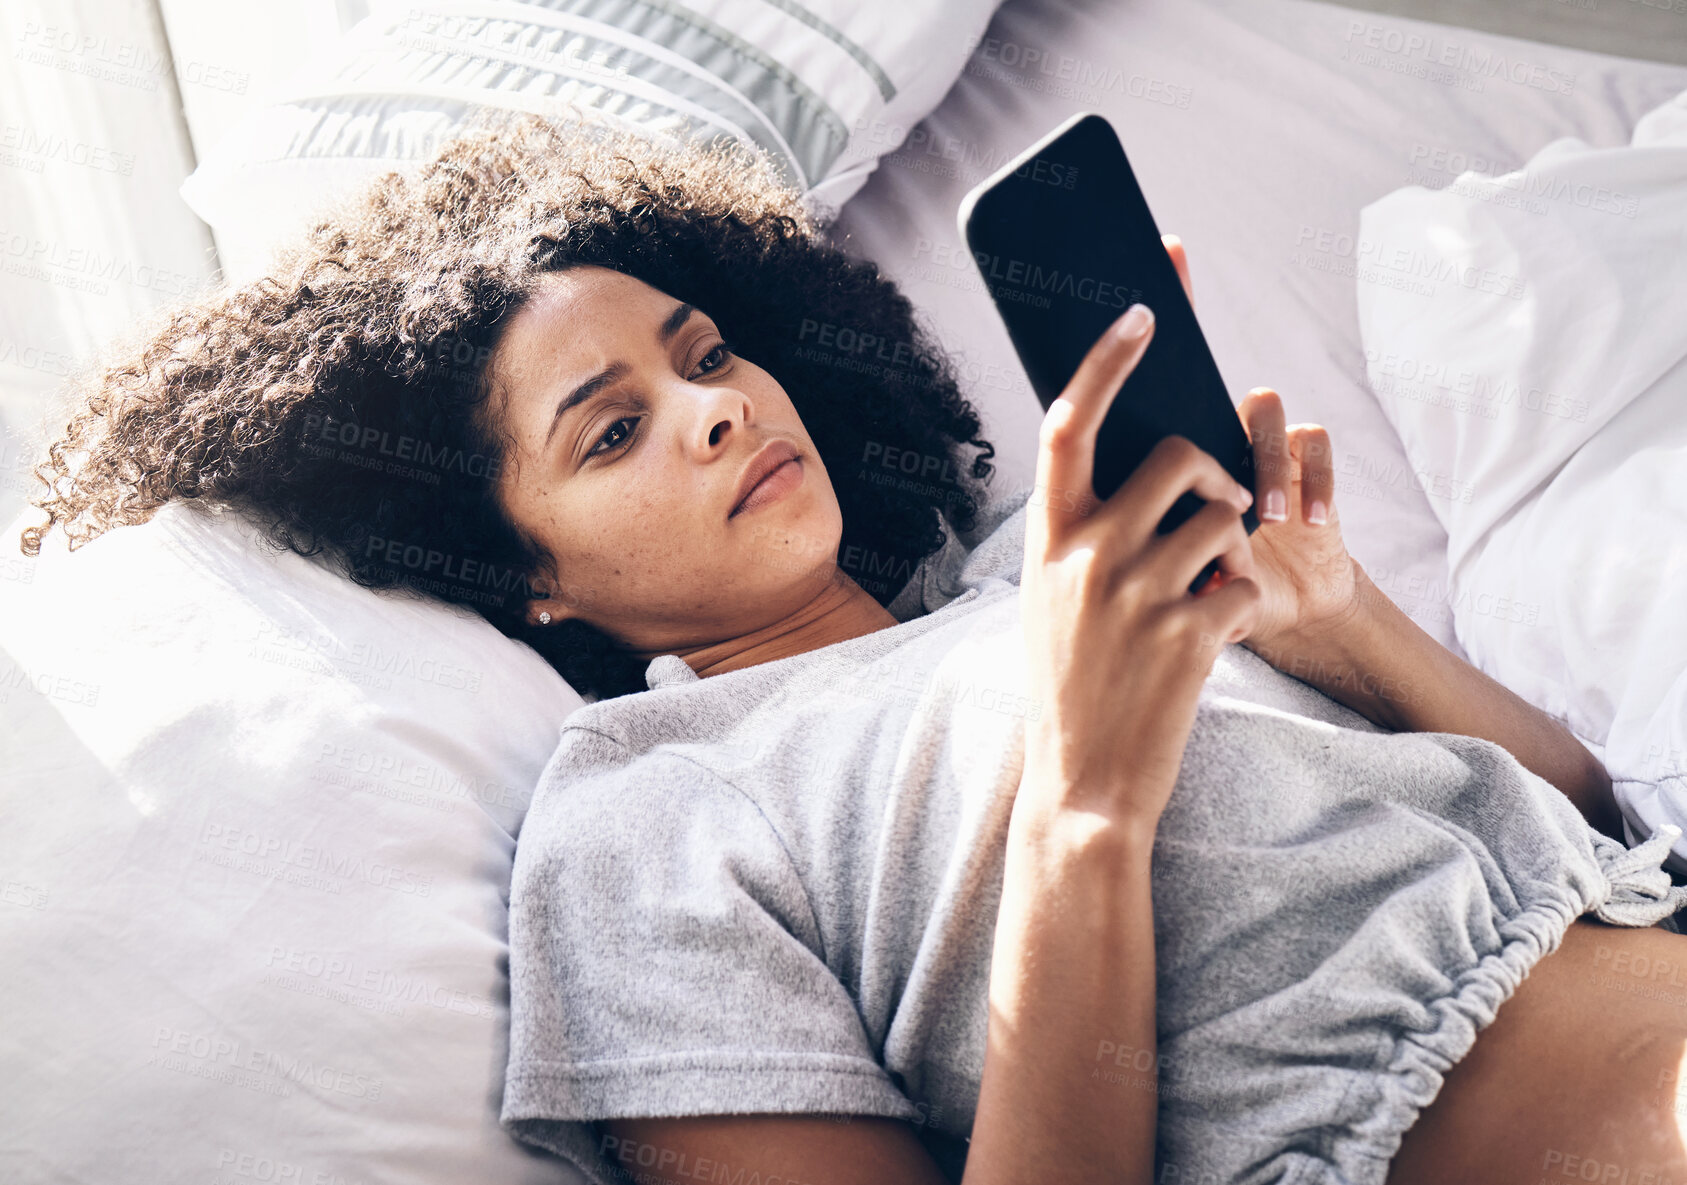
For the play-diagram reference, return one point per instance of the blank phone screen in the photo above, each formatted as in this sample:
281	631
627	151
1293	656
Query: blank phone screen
1065	243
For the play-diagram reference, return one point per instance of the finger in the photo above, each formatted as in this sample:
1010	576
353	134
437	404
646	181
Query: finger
1231	613
1213	532
1309	445
1174	467
1262	414
1220	578
1180	261
1066	442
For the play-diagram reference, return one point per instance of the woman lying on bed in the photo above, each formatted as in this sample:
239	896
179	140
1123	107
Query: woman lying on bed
1014	844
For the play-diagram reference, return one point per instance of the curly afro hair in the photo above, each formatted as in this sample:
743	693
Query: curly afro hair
341	399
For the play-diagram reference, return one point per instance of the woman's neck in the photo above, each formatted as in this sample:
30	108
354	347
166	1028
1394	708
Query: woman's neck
842	610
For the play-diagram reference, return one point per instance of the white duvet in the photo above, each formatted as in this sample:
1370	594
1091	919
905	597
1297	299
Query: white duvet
1527	336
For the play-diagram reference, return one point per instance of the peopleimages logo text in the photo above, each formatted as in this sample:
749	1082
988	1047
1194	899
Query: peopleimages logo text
1033	278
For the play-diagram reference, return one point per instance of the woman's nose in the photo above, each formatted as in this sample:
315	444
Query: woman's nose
722	410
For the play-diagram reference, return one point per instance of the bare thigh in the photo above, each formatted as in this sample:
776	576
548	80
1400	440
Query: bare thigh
1579	1078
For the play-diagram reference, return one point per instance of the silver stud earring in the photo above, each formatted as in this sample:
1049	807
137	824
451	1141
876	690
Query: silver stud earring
544	619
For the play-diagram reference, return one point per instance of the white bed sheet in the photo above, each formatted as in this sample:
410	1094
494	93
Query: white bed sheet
1258	130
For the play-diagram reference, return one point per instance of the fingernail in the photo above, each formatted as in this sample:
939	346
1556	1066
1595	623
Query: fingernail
1276	506
1134	323
1317	514
1244	495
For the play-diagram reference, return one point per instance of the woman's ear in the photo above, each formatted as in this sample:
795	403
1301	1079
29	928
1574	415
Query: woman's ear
553	601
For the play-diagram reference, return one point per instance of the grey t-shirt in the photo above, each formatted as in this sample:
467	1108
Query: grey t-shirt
715	872
775	890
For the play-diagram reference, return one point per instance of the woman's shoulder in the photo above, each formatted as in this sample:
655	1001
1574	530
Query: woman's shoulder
637	843
993	548
603	790
996	544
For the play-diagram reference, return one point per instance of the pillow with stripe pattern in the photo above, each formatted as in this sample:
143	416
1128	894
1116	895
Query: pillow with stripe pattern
825	86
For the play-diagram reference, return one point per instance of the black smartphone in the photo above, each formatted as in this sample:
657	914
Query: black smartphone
1065	243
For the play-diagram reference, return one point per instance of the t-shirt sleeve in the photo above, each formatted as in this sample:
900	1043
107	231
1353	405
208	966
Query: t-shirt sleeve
665	961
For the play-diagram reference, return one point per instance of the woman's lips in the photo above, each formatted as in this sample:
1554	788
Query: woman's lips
773	487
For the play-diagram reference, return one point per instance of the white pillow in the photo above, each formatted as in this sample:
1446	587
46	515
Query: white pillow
826	86
254	868
1526	334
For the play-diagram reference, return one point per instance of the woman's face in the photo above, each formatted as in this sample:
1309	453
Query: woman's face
632	428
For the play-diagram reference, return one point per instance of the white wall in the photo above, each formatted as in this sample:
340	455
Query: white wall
104	105
92	233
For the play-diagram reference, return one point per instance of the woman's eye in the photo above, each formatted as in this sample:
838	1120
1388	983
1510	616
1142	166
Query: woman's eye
610	431
721	354
616	439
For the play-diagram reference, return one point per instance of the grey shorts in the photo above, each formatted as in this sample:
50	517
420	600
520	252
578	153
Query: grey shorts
1332	936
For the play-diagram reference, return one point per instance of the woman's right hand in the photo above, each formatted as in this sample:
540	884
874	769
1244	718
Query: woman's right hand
1117	646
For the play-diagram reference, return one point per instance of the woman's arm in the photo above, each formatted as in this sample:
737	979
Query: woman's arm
1325	623
1065	1097
1380	663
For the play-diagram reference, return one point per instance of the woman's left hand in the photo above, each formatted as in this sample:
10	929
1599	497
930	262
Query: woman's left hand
1310	585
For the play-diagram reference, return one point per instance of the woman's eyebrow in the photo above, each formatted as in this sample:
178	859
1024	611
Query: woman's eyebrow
676	319
615	370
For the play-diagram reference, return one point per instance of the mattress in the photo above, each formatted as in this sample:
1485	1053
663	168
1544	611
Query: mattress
1258	130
